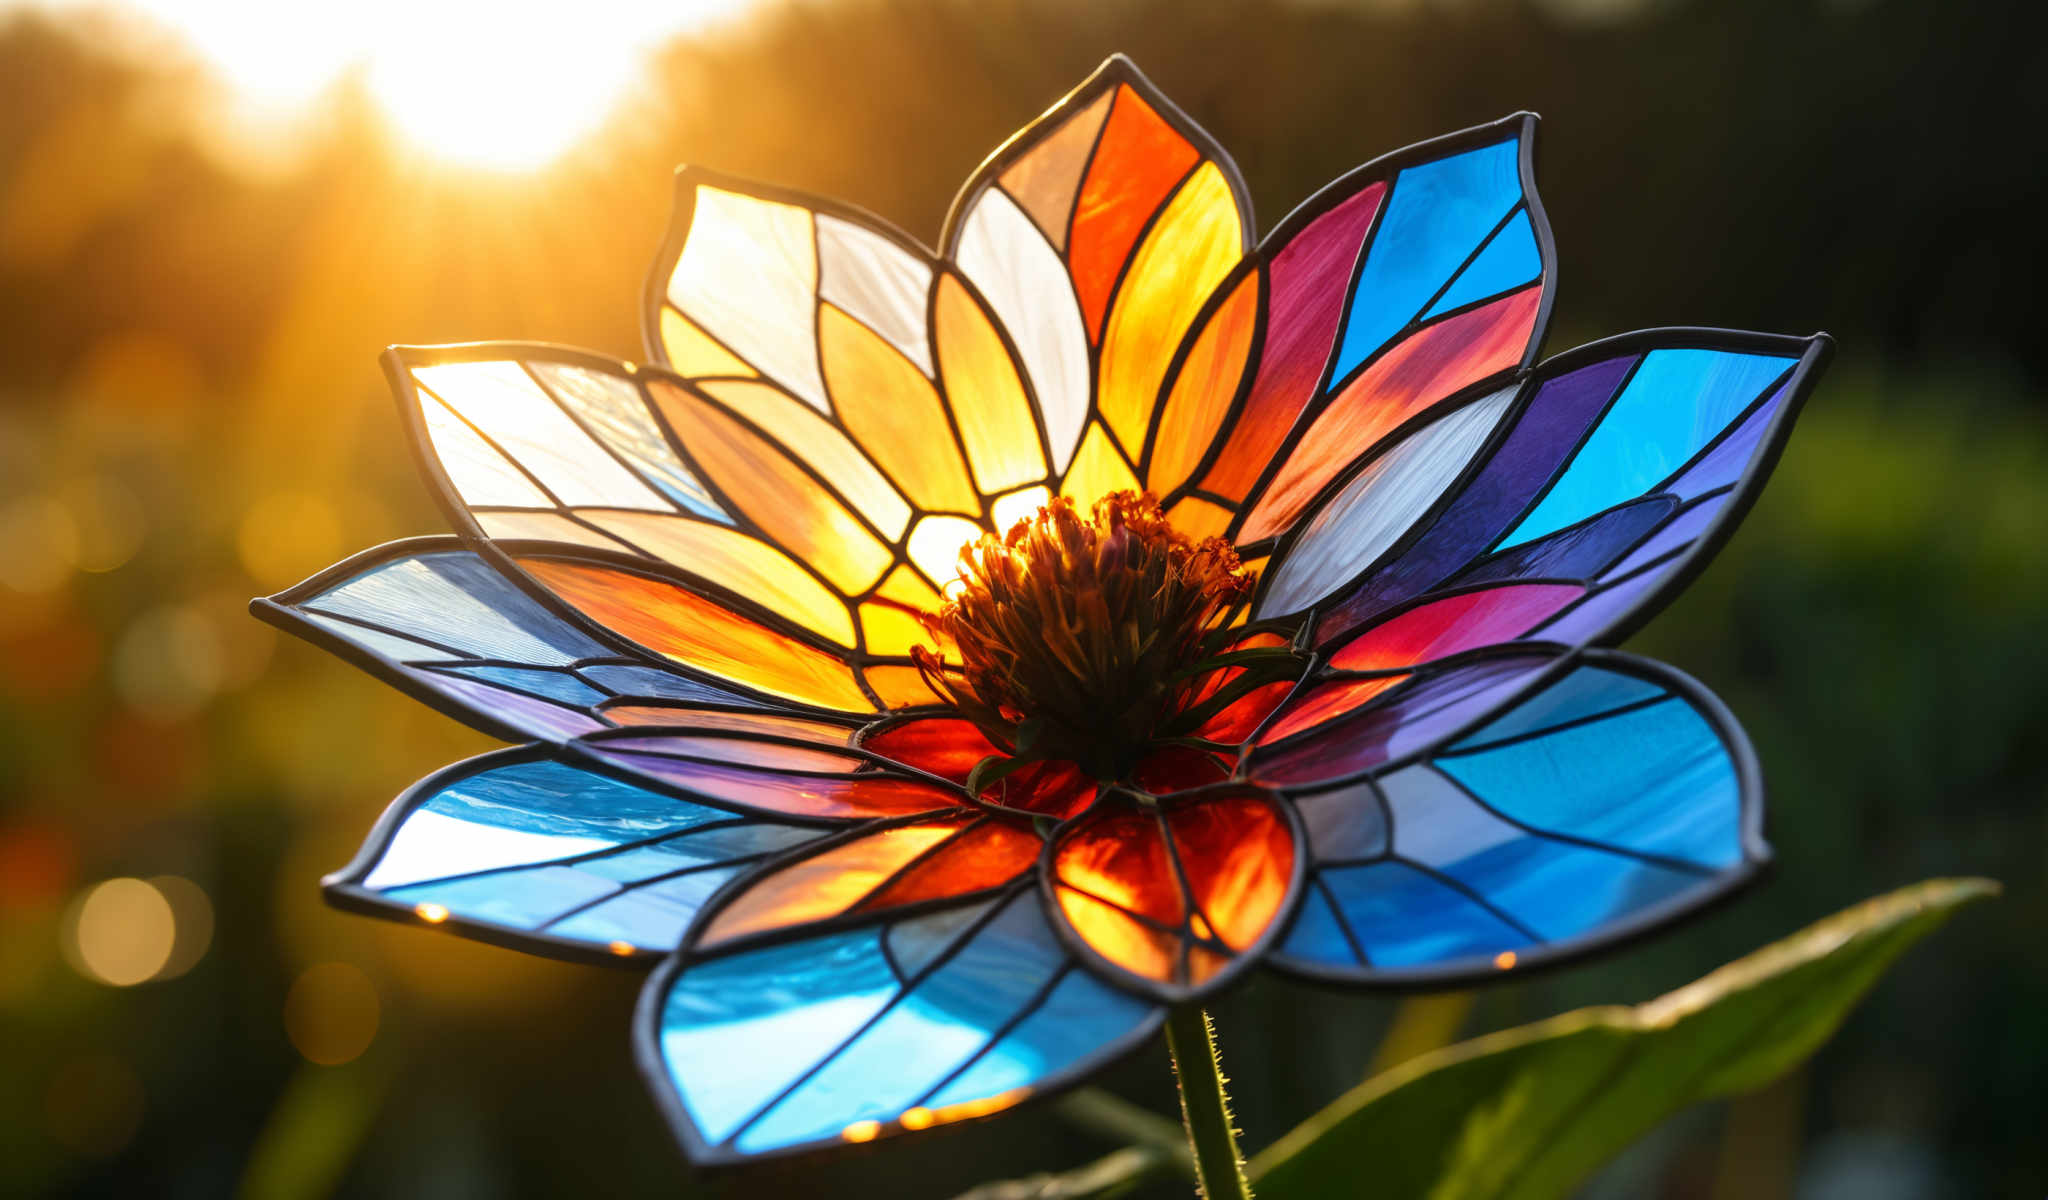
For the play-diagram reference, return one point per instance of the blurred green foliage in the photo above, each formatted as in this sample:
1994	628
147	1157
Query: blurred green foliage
191	413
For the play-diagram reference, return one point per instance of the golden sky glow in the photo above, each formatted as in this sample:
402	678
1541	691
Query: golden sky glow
497	86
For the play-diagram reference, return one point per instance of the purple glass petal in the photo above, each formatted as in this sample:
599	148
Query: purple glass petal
1426	714
1578	552
1687	526
1723	465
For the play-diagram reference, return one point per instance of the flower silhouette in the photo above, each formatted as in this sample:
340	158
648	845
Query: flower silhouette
942	662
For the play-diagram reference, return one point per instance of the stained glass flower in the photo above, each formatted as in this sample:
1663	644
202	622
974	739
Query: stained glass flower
943	662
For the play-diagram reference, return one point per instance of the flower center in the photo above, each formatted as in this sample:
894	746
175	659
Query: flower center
1085	638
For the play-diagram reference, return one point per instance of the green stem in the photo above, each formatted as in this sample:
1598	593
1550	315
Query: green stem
1204	1105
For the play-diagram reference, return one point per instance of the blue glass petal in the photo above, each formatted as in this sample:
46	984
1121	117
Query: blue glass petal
837	1035
1580	551
555	685
1509	259
536	846
1609	796
1403	916
653	683
1438	214
1553	888
1678	401
455	599
1652	777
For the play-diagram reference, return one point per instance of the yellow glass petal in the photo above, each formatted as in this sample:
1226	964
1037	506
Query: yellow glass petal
815	440
543	526
904	587
893	411
1202	393
988	398
699	633
901	687
890	630
1196	242
1046	180
935	546
691	351
1018	506
1198	518
1098	470
769	487
737	562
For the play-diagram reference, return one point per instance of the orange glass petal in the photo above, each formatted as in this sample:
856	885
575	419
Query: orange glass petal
699	633
827	883
743	565
944	746
785	501
1045	181
1138	162
806	433
1325	702
1203	390
990	854
1238	855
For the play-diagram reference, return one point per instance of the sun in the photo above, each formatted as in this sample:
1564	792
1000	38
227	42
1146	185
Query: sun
507	86
493	96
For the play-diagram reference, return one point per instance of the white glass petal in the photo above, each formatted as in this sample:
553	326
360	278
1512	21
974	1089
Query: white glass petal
1378	506
1006	257
479	473
749	275
502	400
877	281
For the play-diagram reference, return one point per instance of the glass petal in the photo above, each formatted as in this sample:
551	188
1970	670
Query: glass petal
1614	796
893	411
747	274
986	394
879	283
1202	390
1598	460
876	870
1194	242
901	1024
1431	365
786	501
434	618
563	859
688	628
1174	899
1363	521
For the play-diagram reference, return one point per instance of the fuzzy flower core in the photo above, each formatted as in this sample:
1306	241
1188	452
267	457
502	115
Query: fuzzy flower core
1085	638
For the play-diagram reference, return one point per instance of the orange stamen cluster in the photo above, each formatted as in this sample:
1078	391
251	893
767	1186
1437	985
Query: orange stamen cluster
1075	634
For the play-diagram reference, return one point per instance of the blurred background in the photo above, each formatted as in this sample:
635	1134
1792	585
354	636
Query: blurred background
213	216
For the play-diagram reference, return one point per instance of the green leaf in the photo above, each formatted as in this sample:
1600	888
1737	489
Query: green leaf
1529	1113
991	769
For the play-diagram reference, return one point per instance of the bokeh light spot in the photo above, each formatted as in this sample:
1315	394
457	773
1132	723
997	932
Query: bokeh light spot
331	1013
120	932
192	918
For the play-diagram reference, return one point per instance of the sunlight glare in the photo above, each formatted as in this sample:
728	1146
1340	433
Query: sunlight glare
499	87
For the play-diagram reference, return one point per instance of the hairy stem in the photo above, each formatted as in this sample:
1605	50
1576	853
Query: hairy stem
1204	1105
